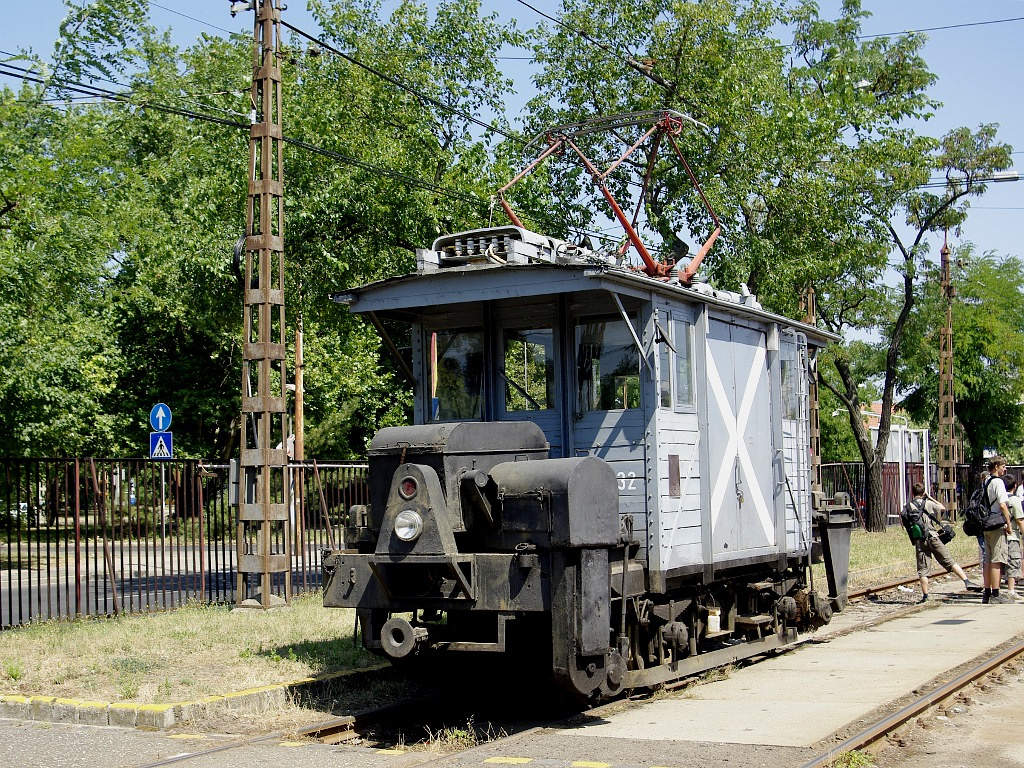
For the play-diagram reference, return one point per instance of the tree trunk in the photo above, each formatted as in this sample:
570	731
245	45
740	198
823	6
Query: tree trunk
871	455
876	519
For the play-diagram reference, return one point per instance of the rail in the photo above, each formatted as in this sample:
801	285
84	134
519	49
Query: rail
881	728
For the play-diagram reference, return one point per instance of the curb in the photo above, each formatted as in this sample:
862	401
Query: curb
126	714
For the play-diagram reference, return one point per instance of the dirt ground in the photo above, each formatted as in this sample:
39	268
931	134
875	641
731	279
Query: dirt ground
982	726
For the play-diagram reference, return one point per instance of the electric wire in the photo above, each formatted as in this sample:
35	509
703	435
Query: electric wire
113	96
964	25
106	95
403	86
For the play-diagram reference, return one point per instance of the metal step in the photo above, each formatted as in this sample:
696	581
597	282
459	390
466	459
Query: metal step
752	620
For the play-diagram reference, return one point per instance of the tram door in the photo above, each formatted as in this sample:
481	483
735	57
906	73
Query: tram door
739	439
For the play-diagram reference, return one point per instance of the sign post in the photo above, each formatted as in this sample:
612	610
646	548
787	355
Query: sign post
161	441
161	448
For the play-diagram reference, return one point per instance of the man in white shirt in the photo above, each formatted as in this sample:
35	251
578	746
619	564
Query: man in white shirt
1012	571
996	550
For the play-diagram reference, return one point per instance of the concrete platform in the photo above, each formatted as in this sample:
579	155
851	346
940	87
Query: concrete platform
822	687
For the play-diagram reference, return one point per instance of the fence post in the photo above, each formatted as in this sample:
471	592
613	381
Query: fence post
78	540
108	559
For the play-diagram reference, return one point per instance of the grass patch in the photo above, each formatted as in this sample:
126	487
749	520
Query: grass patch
180	655
853	759
457	739
876	558
198	650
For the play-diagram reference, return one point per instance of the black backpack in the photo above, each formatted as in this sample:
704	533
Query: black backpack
978	516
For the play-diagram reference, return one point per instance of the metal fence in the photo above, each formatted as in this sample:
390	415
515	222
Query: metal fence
95	537
851	478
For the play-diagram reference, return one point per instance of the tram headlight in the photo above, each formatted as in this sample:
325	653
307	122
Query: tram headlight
408	525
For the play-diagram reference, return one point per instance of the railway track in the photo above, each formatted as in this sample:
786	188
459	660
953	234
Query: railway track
881	728
404	717
890	585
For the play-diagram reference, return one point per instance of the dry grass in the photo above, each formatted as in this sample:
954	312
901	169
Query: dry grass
199	650
182	655
881	557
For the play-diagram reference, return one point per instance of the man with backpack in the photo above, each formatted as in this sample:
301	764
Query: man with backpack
919	517
995	529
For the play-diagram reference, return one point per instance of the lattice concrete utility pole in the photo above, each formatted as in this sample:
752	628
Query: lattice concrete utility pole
264	531
947	438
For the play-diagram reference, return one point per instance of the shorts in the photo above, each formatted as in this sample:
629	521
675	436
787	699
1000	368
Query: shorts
1012	568
995	547
932	547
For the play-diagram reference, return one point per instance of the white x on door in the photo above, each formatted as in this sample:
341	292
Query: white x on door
739	439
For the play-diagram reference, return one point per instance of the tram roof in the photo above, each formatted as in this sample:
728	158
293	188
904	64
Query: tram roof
407	296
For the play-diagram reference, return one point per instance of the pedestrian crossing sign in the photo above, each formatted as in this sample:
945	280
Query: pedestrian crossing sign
161	445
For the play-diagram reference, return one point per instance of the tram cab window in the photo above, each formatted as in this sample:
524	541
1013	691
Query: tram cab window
682	333
676	368
790	381
529	369
456	363
607	365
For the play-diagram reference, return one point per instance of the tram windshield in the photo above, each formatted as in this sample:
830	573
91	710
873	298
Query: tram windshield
456	374
607	365
529	369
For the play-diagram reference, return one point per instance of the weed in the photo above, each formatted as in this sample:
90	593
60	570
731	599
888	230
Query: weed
852	759
13	669
448	740
128	686
131	665
718	673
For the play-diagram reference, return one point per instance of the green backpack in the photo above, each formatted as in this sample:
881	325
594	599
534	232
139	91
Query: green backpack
912	518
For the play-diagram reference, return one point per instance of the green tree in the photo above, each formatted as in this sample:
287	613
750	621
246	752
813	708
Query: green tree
811	157
125	214
988	343
55	242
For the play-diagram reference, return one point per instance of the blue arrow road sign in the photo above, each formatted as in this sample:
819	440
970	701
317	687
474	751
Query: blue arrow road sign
161	445
160	417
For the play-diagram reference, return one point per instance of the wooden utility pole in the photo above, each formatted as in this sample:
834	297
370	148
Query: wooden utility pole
948	458
810	309
264	530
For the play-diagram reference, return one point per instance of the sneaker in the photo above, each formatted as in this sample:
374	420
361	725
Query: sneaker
1001	599
924	599
1014	595
972	587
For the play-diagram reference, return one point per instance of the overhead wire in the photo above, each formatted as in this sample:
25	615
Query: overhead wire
113	96
103	93
399	84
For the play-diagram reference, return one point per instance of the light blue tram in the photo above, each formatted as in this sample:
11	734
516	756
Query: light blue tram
613	466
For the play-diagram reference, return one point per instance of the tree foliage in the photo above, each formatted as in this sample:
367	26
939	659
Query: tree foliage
118	217
988	342
121	216
813	159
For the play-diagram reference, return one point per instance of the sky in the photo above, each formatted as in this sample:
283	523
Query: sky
977	63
